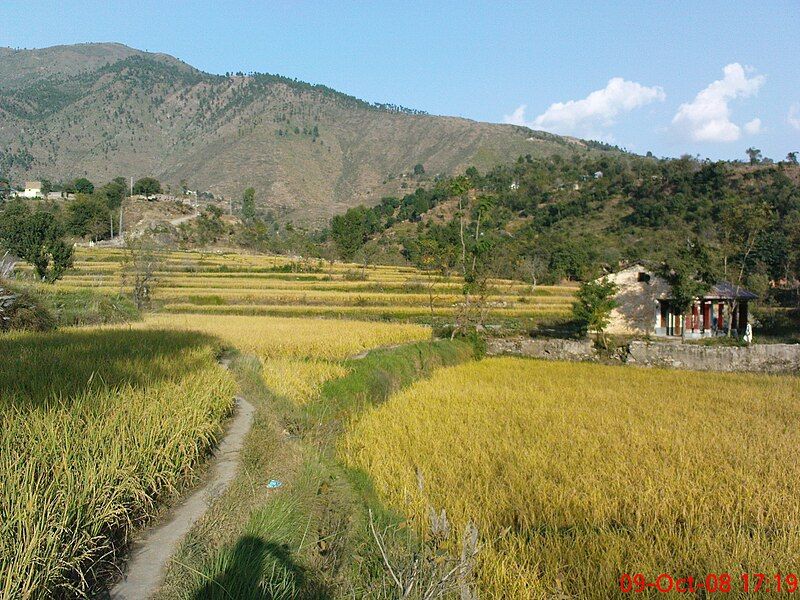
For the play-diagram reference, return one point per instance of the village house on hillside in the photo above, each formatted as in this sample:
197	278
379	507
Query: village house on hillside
33	189
644	307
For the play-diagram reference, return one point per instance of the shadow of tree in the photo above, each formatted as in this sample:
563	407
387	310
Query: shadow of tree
256	569
37	367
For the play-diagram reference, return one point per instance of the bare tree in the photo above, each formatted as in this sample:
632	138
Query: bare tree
140	265
432	572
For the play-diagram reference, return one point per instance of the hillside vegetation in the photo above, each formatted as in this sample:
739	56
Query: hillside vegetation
103	110
544	220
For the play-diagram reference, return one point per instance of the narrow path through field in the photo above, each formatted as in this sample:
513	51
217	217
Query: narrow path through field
152	551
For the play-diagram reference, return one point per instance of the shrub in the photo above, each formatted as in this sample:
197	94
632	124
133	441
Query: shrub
19	311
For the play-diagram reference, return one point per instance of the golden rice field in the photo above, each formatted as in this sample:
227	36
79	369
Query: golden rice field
298	355
576	473
191	282
97	426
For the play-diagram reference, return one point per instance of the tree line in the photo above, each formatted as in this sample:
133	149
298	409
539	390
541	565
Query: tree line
545	220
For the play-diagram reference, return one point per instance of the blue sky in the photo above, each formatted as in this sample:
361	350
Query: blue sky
638	74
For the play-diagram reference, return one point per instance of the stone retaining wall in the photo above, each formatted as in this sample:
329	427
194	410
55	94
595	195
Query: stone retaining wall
759	358
547	348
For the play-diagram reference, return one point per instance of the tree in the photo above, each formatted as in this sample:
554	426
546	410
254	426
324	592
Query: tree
114	193
742	224
690	273
140	263
754	154
432	257
351	230
83	186
88	216
36	237
419	169
147	187
595	301
791	158
249	204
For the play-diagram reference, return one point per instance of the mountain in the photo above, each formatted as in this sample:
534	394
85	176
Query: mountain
105	110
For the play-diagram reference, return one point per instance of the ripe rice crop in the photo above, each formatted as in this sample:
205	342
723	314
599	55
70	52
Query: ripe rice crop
96	427
280	337
299	380
389	312
577	473
271	285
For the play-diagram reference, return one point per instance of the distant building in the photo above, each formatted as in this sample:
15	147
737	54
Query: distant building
645	307
33	189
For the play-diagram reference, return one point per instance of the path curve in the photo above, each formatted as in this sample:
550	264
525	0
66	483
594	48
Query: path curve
152	550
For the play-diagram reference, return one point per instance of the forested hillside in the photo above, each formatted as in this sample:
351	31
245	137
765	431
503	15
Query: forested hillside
544	220
106	110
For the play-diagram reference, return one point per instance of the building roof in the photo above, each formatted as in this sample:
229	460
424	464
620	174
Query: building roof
727	291
33	185
722	290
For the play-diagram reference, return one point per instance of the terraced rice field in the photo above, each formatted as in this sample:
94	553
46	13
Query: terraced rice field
298	355
577	473
235	284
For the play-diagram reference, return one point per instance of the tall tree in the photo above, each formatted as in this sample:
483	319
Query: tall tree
351	230
754	154
743	222
249	204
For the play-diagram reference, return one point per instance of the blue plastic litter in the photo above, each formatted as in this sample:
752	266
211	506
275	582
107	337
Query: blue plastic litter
274	483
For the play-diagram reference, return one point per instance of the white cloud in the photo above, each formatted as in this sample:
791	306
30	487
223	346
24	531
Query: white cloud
517	117
794	116
597	111
707	117
753	127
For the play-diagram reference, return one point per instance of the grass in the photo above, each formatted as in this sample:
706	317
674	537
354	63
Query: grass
97	426
576	473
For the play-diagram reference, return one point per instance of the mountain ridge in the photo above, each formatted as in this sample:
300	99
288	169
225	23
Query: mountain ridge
103	110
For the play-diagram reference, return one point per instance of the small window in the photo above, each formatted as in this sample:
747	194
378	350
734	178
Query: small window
644	277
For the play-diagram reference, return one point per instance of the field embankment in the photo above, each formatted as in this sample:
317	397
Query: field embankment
97	428
576	473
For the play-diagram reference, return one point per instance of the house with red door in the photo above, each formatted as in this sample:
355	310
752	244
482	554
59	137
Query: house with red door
645	307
